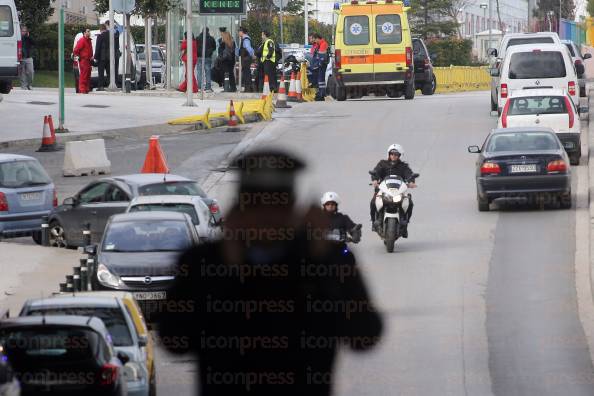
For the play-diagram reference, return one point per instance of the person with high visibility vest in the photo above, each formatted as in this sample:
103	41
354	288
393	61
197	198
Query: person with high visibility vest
321	60
268	58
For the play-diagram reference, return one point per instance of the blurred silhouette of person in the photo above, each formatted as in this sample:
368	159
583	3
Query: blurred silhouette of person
268	305
183	86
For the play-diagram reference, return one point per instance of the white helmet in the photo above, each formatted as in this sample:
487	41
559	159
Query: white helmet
395	147
330	197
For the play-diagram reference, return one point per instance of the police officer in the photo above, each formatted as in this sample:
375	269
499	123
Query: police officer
321	61
391	166
339	221
268	58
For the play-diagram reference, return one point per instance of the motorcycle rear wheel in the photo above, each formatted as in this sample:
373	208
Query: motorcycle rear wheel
390	238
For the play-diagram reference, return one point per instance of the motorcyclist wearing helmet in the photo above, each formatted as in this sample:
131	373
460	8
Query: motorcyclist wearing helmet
339	221
391	166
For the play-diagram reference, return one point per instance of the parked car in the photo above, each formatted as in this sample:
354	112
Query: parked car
26	195
551	108
107	196
9	385
116	314
10	45
63	355
522	162
139	253
424	76
511	40
207	227
535	66
578	59
158	65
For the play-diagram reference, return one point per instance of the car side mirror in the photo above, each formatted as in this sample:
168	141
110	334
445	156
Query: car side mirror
71	201
124	358
91	250
474	149
492	52
587	56
142	340
494	72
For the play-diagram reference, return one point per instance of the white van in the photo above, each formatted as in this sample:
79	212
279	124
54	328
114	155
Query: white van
10	45
511	40
537	66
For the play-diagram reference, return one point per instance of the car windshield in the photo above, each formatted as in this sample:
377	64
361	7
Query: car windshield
172	188
113	318
22	174
168	207
530	40
537	105
33	346
522	141
537	64
147	236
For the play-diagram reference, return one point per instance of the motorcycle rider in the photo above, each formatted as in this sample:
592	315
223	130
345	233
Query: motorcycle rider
391	166
330	201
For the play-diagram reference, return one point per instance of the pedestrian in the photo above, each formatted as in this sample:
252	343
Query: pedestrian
27	70
83	53
227	60
321	58
312	51
264	309
268	57
102	56
210	48
246	55
184	58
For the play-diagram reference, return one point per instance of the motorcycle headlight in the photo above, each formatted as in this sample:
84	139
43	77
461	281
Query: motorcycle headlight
397	198
106	277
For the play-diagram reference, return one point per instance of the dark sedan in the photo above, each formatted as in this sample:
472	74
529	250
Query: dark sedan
95	203
524	163
139	252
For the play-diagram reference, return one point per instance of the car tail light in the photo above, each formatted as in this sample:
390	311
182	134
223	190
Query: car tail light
569	111
571	88
408	56
557	166
19	50
490	168
55	200
504	114
337	59
214	208
503	91
109	374
3	203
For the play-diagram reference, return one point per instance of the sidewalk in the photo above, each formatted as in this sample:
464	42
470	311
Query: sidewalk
22	112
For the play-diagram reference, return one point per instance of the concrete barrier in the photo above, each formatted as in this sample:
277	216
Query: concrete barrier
83	158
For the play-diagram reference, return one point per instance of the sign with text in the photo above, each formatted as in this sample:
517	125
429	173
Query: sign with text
221	7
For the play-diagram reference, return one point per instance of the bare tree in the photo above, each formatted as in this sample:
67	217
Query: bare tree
455	9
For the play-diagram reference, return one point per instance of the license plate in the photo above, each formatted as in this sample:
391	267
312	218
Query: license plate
523	168
569	145
34	196
158	295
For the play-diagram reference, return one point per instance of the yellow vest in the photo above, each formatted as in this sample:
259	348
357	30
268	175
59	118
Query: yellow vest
265	51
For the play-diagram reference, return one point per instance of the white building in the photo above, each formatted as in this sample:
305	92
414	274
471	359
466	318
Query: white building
474	19
75	12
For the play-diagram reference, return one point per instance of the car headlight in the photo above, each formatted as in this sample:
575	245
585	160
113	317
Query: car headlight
397	198
106	277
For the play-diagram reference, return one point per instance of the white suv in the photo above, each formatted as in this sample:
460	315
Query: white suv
10	45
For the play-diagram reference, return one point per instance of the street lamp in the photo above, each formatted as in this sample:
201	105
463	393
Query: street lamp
560	2
486	47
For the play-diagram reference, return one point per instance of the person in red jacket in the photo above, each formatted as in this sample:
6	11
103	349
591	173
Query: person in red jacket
84	52
184	48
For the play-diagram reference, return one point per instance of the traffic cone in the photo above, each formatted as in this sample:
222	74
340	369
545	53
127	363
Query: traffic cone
232	125
155	159
299	88
48	138
266	89
281	101
292	89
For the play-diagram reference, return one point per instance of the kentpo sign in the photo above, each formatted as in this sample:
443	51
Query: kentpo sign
221	7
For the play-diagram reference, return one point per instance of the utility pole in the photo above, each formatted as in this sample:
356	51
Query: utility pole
112	71
189	57
560	3
491	24
61	128
306	20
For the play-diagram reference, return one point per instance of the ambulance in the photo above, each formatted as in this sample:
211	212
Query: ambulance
373	51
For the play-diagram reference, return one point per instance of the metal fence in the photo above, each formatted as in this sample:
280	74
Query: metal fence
462	78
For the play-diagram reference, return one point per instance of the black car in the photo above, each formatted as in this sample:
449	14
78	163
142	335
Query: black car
522	162
63	355
139	253
95	203
424	77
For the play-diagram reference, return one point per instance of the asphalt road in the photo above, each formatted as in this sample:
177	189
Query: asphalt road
474	303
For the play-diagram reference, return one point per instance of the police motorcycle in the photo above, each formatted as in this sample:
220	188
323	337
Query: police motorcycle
292	65
391	203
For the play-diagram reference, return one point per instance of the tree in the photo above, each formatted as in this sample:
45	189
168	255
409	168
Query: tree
454	10
590	7
143	7
545	6
432	18
34	13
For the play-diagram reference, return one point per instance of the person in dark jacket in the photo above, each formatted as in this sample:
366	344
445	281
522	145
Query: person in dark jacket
227	59
264	308
391	166
340	221
210	48
246	55
27	70
102	56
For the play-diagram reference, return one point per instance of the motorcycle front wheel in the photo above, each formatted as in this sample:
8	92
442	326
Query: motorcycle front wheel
390	233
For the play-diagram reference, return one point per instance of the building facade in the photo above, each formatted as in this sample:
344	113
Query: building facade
76	12
514	17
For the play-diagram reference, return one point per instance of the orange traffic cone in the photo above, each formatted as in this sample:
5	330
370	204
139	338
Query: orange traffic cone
155	159
266	89
281	101
232	125
299	88
292	89
48	138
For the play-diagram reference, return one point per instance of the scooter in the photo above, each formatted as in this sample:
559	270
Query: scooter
391	202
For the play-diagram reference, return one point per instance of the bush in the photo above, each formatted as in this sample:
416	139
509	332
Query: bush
451	51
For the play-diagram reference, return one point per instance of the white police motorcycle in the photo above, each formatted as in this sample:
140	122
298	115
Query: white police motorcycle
391	203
